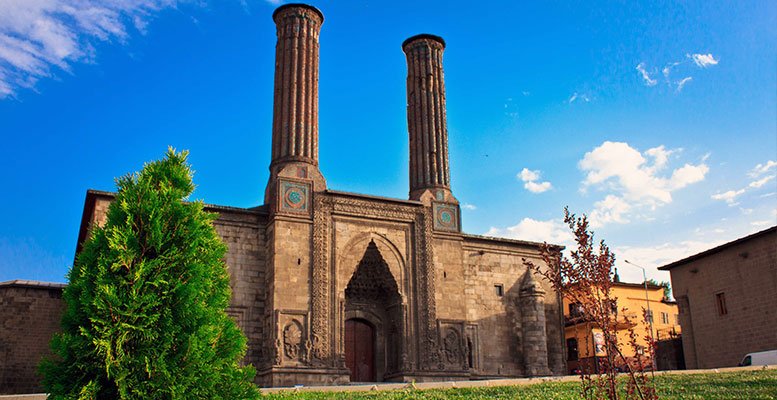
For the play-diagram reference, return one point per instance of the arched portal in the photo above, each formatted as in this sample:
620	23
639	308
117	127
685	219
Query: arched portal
373	312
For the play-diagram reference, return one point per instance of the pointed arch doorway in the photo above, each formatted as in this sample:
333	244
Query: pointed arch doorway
373	320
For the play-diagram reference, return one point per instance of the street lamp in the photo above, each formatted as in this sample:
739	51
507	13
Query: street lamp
650	313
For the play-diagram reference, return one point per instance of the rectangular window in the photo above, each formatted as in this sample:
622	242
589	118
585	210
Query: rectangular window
500	290
664	318
721	300
575	310
649	316
572	349
677	319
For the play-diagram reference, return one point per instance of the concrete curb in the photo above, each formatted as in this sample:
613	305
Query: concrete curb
441	385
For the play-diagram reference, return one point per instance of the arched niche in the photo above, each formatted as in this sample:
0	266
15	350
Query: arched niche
352	253
372	294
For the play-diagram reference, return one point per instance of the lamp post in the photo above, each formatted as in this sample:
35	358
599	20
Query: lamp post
650	313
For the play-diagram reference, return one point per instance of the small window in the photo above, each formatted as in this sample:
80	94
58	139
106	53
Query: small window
575	310
572	349
649	316
721	300
664	318
677	319
500	290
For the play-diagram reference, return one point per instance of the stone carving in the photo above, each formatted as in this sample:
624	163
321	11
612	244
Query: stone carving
308	350
292	341
321	309
324	205
372	279
427	304
278	350
452	347
350	206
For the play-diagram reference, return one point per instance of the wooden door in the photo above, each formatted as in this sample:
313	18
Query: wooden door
360	350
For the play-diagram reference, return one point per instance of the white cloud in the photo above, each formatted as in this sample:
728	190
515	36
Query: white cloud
729	196
535	187
682	82
761	169
575	96
40	37
762	223
551	231
470	207
652	257
645	75
530	177
668	69
660	156
760	182
688	174
704	60
633	179
611	209
627	171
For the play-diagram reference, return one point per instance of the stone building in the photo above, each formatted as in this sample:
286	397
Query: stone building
727	299
333	287
29	315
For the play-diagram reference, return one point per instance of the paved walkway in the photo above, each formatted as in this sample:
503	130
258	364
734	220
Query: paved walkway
437	385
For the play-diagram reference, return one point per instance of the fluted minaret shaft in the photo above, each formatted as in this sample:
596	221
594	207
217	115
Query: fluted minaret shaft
295	109
426	118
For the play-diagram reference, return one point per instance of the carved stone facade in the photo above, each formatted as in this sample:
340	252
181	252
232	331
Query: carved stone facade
440	304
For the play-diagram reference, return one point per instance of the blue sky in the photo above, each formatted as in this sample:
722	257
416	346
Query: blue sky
657	119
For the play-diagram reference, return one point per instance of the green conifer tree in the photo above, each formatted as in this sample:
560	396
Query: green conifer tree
146	301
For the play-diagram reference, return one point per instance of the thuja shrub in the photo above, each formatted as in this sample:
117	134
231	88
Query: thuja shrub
146	301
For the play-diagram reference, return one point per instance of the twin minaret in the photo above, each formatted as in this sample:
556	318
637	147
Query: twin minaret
295	109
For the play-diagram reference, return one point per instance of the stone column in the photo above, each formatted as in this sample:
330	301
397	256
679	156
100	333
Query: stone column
295	102
426	118
535	339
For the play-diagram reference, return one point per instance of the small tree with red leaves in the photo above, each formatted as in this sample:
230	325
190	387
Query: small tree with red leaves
585	278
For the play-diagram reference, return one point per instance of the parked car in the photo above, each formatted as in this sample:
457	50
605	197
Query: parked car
760	358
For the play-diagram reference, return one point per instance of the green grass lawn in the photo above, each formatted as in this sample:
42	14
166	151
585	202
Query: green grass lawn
744	385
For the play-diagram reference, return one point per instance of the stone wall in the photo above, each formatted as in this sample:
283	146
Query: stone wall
243	231
30	313
744	272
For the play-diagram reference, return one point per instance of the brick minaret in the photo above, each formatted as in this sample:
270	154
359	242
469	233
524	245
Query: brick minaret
429	173
295	107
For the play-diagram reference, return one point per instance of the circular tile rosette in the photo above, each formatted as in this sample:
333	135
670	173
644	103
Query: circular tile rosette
294	197
446	217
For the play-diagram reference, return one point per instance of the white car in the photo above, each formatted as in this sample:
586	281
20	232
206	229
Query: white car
760	358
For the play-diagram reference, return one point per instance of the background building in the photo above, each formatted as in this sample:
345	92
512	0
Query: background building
585	343
727	299
29	315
